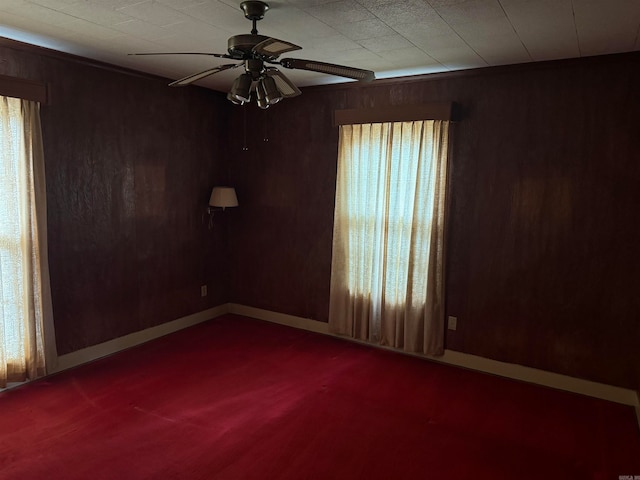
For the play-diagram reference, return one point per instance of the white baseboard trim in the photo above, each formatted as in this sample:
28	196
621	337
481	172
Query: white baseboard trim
280	318
472	362
110	347
541	377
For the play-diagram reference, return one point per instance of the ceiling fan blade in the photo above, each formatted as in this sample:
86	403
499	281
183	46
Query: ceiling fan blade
285	86
330	68
197	76
272	47
219	55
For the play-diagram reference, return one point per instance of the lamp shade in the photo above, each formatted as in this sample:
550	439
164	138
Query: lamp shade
223	197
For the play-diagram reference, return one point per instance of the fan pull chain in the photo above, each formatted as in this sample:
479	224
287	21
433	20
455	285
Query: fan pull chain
265	137
244	130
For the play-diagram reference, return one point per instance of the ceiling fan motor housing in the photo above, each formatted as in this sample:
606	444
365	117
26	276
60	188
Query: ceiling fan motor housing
240	46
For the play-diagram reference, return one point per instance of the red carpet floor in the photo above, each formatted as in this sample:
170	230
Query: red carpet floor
236	398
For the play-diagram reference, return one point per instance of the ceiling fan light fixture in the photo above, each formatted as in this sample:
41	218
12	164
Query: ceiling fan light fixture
272	94
261	97
234	100
241	88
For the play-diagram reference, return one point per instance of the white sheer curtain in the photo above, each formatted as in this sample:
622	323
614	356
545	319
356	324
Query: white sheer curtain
25	300
387	272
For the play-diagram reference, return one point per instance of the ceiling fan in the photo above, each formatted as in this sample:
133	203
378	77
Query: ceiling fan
255	51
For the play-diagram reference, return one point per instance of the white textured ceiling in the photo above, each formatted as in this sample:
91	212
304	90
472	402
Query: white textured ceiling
392	38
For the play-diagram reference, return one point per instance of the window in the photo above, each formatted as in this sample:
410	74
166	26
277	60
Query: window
388	245
24	294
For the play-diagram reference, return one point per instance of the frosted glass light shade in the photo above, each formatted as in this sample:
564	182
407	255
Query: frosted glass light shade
223	197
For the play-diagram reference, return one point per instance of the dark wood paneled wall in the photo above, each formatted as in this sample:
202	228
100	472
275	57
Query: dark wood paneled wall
542	267
542	249
130	163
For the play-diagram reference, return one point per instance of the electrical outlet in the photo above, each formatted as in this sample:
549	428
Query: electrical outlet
203	291
452	323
